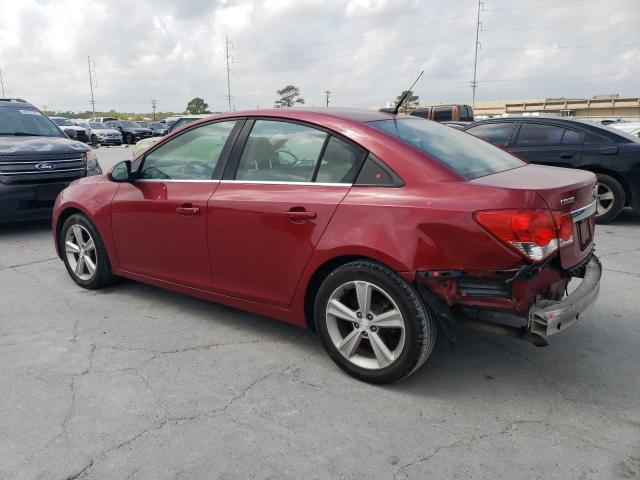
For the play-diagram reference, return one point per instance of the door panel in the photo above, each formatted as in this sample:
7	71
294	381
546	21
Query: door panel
261	235
546	145
159	229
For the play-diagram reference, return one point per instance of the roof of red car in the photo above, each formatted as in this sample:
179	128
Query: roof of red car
356	114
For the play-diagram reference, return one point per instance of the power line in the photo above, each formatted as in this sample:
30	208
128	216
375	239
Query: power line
364	35
561	27
561	47
559	5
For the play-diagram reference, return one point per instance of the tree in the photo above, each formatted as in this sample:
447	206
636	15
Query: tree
289	96
410	103
197	106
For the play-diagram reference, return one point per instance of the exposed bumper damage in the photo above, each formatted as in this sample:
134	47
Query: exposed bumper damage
549	317
528	303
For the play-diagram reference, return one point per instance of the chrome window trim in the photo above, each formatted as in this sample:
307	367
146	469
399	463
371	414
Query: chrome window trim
584	212
274	182
173	180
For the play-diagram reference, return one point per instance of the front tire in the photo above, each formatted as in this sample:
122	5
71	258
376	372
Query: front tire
84	253
610	198
372	322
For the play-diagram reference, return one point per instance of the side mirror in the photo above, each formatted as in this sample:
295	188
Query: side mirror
121	172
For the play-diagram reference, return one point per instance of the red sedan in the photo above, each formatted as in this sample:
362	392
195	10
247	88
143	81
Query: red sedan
370	228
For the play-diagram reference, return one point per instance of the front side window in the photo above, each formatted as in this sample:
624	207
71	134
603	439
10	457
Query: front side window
495	133
539	134
442	114
190	156
280	152
340	162
470	157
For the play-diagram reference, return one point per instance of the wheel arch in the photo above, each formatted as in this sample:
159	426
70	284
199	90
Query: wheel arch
628	194
318	276
62	217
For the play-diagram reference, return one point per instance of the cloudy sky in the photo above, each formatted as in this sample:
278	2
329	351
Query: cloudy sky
364	51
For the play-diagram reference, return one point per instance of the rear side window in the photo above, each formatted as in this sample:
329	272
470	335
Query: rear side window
442	114
374	173
539	134
496	133
466	113
340	162
572	137
280	152
470	157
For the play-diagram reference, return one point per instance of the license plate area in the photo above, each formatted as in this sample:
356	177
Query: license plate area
585	235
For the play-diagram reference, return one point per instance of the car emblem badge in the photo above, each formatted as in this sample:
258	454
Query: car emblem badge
46	166
567	201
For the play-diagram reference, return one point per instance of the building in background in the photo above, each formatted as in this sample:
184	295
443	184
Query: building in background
597	107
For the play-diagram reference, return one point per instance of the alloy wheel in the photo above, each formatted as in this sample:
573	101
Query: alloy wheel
604	199
80	249
365	325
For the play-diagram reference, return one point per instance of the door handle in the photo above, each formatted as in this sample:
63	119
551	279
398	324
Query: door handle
300	215
187	210
566	155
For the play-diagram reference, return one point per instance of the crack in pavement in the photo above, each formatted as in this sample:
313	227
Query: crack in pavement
178	420
622	271
462	443
9	267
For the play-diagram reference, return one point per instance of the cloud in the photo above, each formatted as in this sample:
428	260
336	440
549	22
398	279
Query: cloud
364	51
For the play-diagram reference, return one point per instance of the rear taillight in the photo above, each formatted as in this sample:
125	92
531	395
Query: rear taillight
535	234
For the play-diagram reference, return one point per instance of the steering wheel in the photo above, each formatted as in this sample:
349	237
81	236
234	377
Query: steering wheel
196	170
292	161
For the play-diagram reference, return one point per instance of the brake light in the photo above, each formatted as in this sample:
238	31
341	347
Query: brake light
535	234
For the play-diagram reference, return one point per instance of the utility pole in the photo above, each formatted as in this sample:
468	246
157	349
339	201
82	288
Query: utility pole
474	84
328	94
154	104
227	42
2	82
92	102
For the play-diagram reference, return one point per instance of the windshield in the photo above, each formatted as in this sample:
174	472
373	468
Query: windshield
63	122
130	124
467	155
26	121
97	126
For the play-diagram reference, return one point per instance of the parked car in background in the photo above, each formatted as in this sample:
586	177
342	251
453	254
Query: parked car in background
37	161
101	119
177	122
366	227
159	129
445	113
632	128
92	138
457	125
72	130
106	135
131	131
611	154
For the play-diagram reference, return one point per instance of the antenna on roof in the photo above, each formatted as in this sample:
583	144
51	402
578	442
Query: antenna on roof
406	94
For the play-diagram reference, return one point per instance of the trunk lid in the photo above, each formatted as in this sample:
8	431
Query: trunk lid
565	192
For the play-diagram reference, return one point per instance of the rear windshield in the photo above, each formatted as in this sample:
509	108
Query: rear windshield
467	155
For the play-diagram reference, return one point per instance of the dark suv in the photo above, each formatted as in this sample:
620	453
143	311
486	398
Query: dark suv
131	131
611	154
37	161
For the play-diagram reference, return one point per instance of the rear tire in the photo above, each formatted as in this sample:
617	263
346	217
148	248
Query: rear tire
610	198
84	253
372	322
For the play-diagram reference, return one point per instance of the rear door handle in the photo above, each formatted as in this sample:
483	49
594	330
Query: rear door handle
300	215
187	210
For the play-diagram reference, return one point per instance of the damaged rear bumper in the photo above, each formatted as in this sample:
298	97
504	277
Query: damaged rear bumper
548	317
